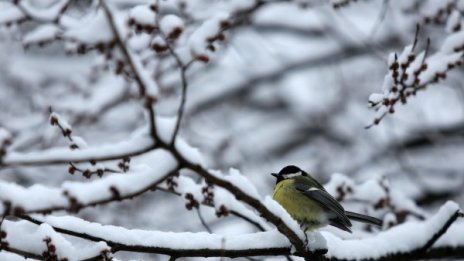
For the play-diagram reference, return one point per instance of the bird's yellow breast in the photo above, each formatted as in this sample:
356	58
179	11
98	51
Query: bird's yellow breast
301	208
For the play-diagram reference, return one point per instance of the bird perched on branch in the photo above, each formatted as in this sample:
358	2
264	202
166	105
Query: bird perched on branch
310	204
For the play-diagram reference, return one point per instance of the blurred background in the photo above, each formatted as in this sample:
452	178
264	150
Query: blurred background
289	85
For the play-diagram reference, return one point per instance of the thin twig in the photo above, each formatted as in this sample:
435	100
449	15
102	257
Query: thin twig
121	43
203	222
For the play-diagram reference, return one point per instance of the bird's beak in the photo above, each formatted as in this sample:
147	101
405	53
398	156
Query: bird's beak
275	175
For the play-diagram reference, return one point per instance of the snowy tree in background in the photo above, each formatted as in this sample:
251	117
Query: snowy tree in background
136	129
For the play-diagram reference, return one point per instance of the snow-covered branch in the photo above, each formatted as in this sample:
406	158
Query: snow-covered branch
406	245
403	245
73	196
410	73
185	244
44	243
138	144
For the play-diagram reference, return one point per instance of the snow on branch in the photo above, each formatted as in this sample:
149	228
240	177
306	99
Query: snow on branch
73	196
44	243
46	14
138	144
183	244
402	244
245	191
410	72
220	199
77	142
377	198
409	241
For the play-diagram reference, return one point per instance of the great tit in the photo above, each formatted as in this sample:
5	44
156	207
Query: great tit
310	204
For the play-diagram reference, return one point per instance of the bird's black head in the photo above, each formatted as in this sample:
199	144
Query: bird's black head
288	172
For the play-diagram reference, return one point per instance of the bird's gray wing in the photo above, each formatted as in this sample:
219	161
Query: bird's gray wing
327	202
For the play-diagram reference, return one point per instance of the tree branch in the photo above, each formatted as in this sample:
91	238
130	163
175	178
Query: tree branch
109	192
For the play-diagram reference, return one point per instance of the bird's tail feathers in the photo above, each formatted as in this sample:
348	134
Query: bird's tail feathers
364	218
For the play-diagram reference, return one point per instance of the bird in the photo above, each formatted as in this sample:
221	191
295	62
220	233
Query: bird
307	201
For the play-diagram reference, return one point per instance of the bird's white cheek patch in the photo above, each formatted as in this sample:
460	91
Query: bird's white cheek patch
292	175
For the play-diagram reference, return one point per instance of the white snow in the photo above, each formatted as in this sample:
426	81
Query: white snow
93	29
170	23
134	144
452	42
140	42
438	63
143	15
398	239
198	40
182	240
42	33
4	135
376	97
60	121
11	14
39	197
151	88
106	91
454	20
238	180
49	13
7	256
135	180
34	242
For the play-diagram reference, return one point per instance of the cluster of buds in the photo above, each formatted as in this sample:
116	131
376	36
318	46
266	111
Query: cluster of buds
77	142
105	255
208	194
202	40
171	27
3	235
103	47
56	120
3	242
124	164
409	73
438	11
50	252
191	201
143	18
88	173
158	44
223	211
74	205
455	21
171	182
10	209
146	19
115	194
342	191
